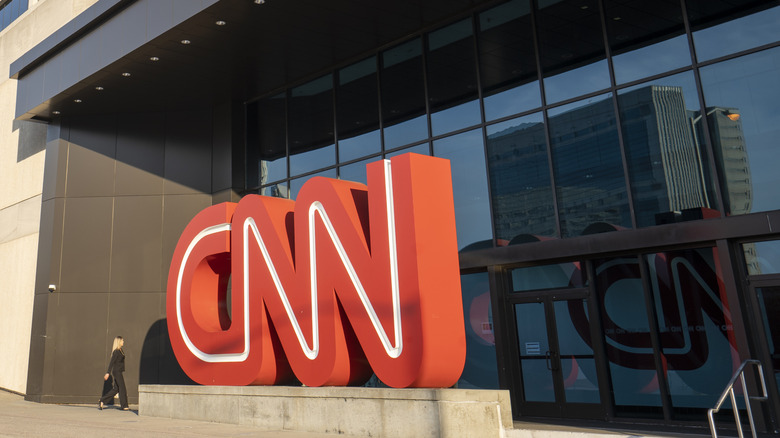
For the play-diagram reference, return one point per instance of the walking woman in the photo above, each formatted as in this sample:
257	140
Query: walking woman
115	369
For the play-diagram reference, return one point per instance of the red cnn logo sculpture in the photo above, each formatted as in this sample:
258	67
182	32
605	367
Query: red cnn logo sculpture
343	281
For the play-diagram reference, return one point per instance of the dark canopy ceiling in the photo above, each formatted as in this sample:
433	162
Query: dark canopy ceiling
259	48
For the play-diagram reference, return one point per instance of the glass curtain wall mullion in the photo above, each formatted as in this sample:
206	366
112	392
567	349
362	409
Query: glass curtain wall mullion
653	78
426	93
379	104
334	98
545	120
599	348
663	384
738	54
475	27
618	122
717	176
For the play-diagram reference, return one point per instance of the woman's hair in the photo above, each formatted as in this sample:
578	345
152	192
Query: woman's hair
116	343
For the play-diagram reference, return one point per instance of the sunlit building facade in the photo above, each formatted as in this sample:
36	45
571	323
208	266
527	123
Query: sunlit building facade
613	167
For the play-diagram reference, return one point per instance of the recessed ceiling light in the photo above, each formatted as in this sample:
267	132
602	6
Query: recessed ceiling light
185	42
154	58
126	74
584	7
616	18
220	23
99	88
55	112
77	100
259	2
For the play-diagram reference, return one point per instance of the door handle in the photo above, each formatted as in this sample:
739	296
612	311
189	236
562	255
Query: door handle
549	356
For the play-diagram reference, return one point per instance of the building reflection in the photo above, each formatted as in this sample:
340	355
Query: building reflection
666	155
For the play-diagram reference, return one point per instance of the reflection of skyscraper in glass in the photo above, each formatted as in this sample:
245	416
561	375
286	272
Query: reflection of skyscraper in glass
664	151
520	177
665	160
731	155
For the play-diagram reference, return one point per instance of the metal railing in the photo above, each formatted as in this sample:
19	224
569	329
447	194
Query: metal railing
729	391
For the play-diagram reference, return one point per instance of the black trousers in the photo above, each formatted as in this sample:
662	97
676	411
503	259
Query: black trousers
119	386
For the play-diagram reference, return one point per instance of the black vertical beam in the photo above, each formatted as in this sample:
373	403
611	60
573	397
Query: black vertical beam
540	76
652	316
597	342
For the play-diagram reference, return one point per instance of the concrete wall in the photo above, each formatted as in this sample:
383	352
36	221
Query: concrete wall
21	175
378	412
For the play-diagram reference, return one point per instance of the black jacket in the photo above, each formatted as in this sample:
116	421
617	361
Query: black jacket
117	364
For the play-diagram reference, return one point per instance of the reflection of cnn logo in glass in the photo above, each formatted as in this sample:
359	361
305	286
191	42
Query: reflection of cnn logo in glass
342	282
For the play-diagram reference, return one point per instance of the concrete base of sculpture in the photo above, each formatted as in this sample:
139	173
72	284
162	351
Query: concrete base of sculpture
379	412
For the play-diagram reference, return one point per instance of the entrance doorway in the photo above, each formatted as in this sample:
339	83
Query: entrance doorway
555	367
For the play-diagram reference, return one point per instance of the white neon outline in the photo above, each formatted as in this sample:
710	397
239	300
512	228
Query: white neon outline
209	357
394	351
675	269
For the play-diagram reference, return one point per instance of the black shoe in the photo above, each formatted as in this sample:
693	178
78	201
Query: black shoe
100	405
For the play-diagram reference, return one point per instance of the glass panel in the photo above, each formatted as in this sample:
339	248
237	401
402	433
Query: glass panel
667	160
563	275
571	48
762	257
466	153
743	113
310	126
296	184
357	110
452	78
588	166
406	132
403	94
481	369
533	346
769	303
578	366
422	149
360	146
732	36
279	190
521	190
356	171
508	60
266	141
627	334
646	38
696	334
455	118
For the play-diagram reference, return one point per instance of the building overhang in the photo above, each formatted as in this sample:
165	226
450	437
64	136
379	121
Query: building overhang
131	55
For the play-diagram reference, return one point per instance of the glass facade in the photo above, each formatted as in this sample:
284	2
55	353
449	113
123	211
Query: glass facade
560	133
564	119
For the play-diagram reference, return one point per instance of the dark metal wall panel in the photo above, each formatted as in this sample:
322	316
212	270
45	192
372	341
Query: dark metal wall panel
108	231
188	152
222	170
54	169
179	210
77	324
136	247
86	245
140	154
132	315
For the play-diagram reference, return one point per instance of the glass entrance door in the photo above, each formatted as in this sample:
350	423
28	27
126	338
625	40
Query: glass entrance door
556	372
769	308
